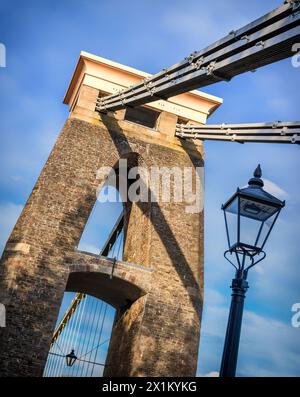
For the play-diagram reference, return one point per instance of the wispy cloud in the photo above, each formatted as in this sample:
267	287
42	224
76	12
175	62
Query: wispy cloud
268	346
212	374
273	188
199	25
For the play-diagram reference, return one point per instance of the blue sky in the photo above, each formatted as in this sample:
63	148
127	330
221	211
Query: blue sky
88	334
43	41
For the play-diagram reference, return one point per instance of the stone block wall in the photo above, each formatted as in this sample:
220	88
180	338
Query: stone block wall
159	334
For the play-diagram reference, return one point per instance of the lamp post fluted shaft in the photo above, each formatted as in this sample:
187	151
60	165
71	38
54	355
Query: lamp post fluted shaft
231	346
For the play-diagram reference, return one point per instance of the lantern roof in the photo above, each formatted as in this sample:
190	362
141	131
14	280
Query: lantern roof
255	191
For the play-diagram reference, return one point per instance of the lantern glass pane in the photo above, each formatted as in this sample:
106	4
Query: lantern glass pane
254	230
231	214
265	230
256	219
249	231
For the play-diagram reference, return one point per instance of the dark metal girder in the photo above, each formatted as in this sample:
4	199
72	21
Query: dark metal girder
244	126
278	132
274	49
266	40
245	139
231	38
235	47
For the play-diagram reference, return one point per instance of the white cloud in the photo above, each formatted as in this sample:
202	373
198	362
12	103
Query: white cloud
259	269
279	104
213	297
268	346
271	347
273	188
89	248
276	98
197	26
212	374
24	150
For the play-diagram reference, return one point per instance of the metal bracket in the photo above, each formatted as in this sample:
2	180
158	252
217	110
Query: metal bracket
149	87
210	71
113	268
246	37
122	99
100	102
293	3
260	44
197	65
294	138
233	33
167	75
191	57
225	256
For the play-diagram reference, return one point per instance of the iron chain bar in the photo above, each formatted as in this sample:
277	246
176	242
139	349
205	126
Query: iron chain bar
278	132
266	40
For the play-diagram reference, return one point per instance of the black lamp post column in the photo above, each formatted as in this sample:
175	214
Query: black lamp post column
230	353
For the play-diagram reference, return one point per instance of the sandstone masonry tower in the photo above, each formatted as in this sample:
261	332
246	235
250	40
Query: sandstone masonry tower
162	271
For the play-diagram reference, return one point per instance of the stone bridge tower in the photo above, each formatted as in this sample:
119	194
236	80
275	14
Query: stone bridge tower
161	274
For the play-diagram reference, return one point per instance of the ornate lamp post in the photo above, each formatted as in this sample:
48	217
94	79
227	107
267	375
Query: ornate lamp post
250	215
71	358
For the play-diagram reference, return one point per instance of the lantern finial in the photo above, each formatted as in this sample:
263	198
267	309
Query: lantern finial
256	180
257	172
